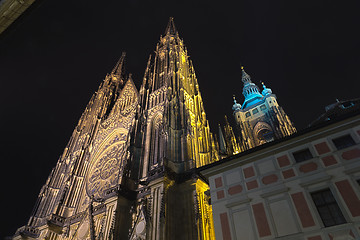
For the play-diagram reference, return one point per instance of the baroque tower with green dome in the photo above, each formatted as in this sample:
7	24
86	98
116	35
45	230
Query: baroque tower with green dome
259	119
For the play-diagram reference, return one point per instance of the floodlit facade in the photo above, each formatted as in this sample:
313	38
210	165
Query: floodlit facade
128	169
305	186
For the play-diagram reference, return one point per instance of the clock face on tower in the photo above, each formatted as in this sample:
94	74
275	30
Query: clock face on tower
106	166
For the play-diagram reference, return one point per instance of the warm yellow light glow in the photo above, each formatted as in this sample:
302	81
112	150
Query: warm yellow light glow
205	222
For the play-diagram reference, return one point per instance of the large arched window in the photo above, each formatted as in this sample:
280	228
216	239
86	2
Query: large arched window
263	133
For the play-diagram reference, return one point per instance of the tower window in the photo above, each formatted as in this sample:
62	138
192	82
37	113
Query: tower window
262	107
247	114
328	208
255	111
302	155
343	142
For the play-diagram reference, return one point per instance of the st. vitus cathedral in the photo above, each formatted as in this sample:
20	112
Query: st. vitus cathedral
128	171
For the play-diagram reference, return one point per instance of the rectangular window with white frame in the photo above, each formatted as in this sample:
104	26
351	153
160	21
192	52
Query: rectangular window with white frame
327	207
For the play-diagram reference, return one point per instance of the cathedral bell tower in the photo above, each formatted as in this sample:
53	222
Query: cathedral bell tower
172	138
176	132
259	119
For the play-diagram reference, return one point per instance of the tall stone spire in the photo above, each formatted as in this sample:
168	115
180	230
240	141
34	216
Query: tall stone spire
174	100
119	68
170	29
172	136
231	142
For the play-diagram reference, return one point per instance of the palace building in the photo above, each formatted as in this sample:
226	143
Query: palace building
302	187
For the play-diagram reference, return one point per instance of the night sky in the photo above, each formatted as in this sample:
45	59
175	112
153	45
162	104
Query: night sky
307	52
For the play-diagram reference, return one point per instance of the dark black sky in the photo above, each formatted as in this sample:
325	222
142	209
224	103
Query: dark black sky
307	52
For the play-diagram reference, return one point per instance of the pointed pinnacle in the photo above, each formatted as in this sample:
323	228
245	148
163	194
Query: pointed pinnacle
170	29
145	79
119	67
244	76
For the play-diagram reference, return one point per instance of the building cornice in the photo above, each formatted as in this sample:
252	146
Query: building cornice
278	146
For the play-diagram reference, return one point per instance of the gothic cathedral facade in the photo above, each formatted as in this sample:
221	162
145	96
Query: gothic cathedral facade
128	169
